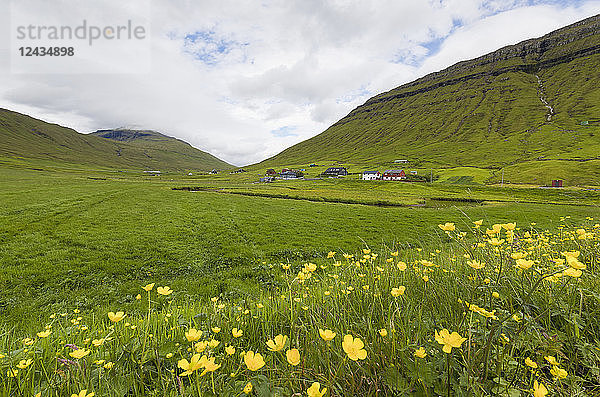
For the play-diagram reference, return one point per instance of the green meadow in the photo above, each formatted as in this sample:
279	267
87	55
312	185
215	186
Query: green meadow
327	287
86	239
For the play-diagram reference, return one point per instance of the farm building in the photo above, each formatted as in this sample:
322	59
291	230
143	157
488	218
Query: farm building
335	171
271	171
371	175
289	174
402	161
557	183
393	175
267	179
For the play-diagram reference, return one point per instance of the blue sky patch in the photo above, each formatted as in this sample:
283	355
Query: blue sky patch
285	131
208	47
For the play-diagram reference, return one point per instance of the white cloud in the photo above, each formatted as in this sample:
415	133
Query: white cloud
225	75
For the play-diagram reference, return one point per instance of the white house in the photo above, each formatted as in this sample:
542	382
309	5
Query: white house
371	175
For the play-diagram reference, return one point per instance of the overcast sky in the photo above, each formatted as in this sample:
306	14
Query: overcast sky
243	80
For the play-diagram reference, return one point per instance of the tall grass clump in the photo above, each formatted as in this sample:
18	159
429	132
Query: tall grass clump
492	310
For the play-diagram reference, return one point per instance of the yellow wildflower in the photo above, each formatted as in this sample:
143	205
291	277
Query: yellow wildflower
354	348
116	317
397	291
79	353
530	363
326	334
539	390
237	332
253	361
449	340
551	360
314	390
278	344
192	335
201	346
447	227
44	334
195	363
476	264
230	350
524	264
248	388
210	366
420	352
558	372
293	356
24	363
164	290
148	287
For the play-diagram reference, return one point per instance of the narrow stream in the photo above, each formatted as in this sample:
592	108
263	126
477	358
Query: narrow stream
542	95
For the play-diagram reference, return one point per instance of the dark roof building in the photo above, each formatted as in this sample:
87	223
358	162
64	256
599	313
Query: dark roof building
335	171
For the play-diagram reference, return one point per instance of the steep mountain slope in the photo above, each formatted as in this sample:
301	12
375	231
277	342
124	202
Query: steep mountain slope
524	102
29	138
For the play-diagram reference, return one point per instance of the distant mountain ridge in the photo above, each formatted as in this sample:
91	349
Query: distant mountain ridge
524	102
27	137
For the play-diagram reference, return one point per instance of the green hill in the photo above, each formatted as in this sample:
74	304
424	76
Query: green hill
536	101
27	138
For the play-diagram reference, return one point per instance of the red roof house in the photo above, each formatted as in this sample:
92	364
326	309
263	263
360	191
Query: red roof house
393	175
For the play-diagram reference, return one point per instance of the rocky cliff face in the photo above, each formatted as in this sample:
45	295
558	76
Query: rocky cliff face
563	45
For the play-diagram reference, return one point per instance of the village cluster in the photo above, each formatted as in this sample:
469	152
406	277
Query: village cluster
335	172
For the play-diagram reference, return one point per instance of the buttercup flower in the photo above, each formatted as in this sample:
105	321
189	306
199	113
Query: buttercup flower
148	287
44	334
293	356
201	346
278	344
383	332
314	390
248	388
210	366
164	290
476	264
116	317
397	291
79	353
449	340
539	390
354	348
237	332
420	352
530	363
253	361
24	363
193	335
327	334
195	363
230	350
558	372
551	360
447	227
